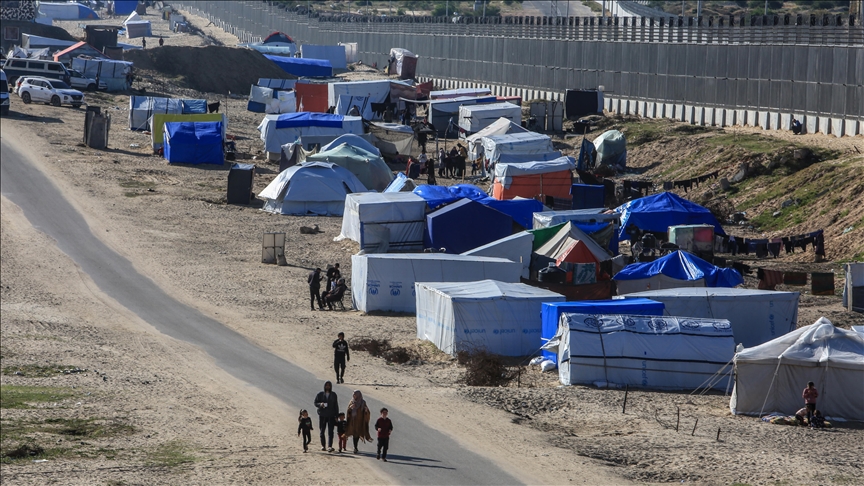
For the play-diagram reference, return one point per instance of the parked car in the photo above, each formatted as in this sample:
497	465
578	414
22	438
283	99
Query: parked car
4	94
51	91
80	81
16	68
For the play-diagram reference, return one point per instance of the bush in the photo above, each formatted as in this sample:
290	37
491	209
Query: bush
483	368
381	348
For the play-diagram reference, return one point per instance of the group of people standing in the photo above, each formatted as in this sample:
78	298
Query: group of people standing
453	164
333	291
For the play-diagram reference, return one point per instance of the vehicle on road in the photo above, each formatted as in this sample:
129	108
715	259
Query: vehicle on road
16	68
80	81
4	94
50	91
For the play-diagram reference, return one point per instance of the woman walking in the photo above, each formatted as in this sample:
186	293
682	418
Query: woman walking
358	415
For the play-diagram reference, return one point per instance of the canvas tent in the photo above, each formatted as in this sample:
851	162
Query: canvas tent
392	138
193	143
354	141
521	210
473	118
465	225
502	318
381	222
519	147
142	109
112	73
158	121
386	282
671	353
443	114
530	179
136	26
277	130
757	316
402	62
611	148
315	188
368	167
677	269
516	248
500	126
660	211
67	11
361	93
572	245
302	67
770	377
334	54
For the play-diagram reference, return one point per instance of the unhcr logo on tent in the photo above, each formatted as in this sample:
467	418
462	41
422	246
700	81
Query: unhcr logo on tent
504	331
475	331
530	331
395	288
373	286
689	324
657	324
721	326
592	322
629	322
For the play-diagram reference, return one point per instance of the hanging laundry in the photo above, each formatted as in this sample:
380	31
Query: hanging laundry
769	279
822	283
794	278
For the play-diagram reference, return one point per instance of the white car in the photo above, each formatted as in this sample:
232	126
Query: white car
51	91
80	81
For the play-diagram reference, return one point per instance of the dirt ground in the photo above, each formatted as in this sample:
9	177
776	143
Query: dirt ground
168	415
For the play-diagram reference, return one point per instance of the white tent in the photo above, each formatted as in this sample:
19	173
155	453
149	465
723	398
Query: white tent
502	318
381	222
274	138
771	377
136	26
473	118
312	188
757	316
518	146
499	127
363	92
516	248
399	54
386	282
675	353
459	93
505	172
334	54
595	215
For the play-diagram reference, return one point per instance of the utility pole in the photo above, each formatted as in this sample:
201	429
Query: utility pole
447	10
698	8
766	7
682	8
484	8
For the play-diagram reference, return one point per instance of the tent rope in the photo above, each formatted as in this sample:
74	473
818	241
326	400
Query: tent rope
779	359
709	382
603	348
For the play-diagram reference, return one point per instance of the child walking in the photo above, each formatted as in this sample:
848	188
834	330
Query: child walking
384	427
341	424
305	428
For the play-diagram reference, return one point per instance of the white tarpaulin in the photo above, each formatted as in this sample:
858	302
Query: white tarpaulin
386	282
502	318
673	353
380	222
516	248
334	54
499	127
594	215
771	377
376	91
345	103
528	143
505	172
316	188
274	138
473	118
392	138
459	93
757	316
399	55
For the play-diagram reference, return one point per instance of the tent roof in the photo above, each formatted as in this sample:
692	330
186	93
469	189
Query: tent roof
368	167
490	289
72	48
682	266
307	119
507	170
194	132
504	105
659	211
564	239
316	181
354	141
500	126
817	343
278	37
717	293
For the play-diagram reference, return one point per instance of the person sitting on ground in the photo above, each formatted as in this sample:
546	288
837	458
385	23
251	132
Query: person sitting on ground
336	295
817	421
800	415
796	126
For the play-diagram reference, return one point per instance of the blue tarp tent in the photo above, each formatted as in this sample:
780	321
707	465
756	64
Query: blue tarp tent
521	210
307	119
465	225
66	11
193	143
677	269
587	196
303	67
660	211
550	314
123	7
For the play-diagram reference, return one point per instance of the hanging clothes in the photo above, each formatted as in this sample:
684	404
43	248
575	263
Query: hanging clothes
769	279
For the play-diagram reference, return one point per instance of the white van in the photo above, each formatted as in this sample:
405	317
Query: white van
16	68
4	94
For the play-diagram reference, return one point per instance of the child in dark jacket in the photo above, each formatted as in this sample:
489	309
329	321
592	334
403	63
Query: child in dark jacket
341	424
384	427
305	428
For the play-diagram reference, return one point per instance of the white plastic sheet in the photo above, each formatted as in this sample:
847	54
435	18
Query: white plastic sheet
402	214
516	248
473	118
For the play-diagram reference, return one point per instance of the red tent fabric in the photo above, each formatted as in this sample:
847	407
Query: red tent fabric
311	97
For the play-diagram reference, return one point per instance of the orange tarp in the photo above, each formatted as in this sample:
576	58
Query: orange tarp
311	97
555	184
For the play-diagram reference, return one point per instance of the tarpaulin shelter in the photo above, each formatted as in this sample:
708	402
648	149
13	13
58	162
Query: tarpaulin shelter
465	225
311	97
82	48
112	73
585	219
377	91
67	11
381	222
519	147
570	245
334	54
402	63
277	130
550	314
193	143
588	196
581	102
532	179
386	282
443	114
500	126
670	353
123	7
368	167
473	118
611	148
660	211
521	210
401	183
277	38
354	141
313	188
137	27
158	120
499	317
771	376
142	109
516	248
757	316
677	269
301	66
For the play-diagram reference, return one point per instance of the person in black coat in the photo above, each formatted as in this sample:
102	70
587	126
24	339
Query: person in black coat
314	281
327	405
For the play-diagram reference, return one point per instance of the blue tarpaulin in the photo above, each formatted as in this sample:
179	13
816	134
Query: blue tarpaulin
465	225
586	155
550	313
682	266
660	211
521	210
193	143
307	119
194	106
586	196
303	67
123	7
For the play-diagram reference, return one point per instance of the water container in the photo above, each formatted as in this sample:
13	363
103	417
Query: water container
552	274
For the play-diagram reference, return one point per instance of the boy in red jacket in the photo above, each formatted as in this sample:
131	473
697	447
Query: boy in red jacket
384	427
810	395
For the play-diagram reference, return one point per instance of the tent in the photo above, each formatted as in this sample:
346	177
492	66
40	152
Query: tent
660	211
277	130
459	93
519	147
123	7
278	38
80	49
473	118
158	120
550	314
311	97
67	11
672	353
315	188
546	219
500	126
401	183
354	141
142	109
572	245
465	225
382	221
333	54
112	73
392	138
530	179
677	269
443	114
499	317
757	316
516	248
370	92
386	282
302	67
771	376
521	210
368	167
193	143
402	62
611	148
136	26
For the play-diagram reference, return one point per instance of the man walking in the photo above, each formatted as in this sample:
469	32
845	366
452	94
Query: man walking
328	409
314	281
341	353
